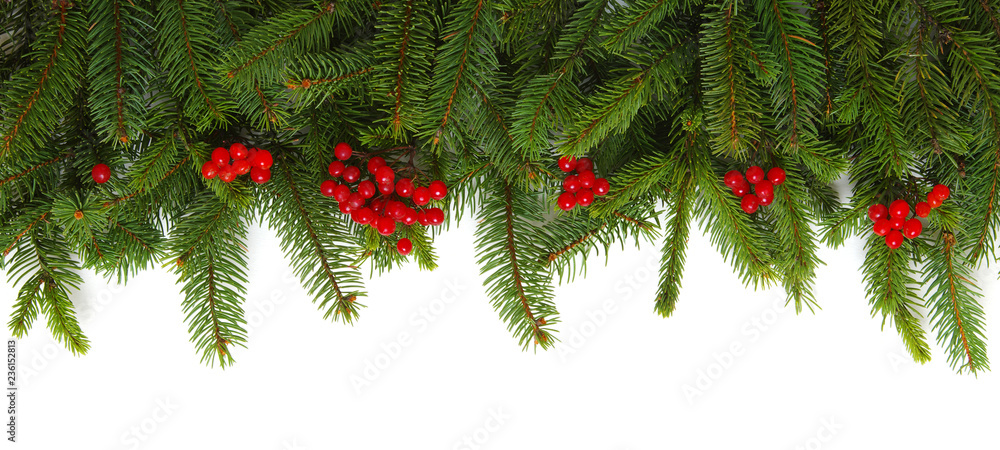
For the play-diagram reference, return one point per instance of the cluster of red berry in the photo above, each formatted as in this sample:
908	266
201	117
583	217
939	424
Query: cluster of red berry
763	188
581	188
238	160
891	222
384	212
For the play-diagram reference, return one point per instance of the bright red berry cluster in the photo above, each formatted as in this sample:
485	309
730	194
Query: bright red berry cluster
892	222
763	187
238	160
581	188
380	200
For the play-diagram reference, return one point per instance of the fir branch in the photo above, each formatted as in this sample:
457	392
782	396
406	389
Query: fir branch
674	250
637	19
797	256
955	311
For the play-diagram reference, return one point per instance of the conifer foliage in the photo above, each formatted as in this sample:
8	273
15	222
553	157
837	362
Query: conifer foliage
664	97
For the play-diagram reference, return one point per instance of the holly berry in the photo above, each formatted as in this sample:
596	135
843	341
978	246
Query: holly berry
209	170
345	207
933	200
422	218
341	193
336	168
220	156
351	174
363	216
882	227
567	163
384	174
585	197
899	208
566	201
755	174
421	196
251	154
435	216
601	187
241	166
586	179
742	189
922	209
327	187
101	173
356	200
404	246
733	178
410	216
378	205
571	184
404	188
226	174
776	176
894	239
386	188
395	209
896	223
912	228
366	189
342	151
941	191
374	163
764	189
260	176
238	151
766	200
584	165
877	211
262	159
750	203
438	189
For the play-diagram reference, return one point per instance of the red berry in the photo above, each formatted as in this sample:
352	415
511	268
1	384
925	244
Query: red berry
894	239
755	174
260	176
209	170
384	174
327	187
567	163
101	173
750	203
882	227
742	189
410	217
342	151
923	209
404	246
776	176
933	200
584	165
435	216
241	166
238	151
251	154
342	193
378	205
356	200
226	174
220	156
899	208
363	216
385	226
395	209
351	174
374	163
571	184
733	178
912	228
386	188
421	196
877	211
764	189
766	200
366	189
422	218
262	159
586	179
896	223
566	201
585	197
601	187
336	168
438	189
404	188
941	191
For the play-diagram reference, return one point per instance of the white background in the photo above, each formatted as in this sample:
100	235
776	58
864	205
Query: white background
626	378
